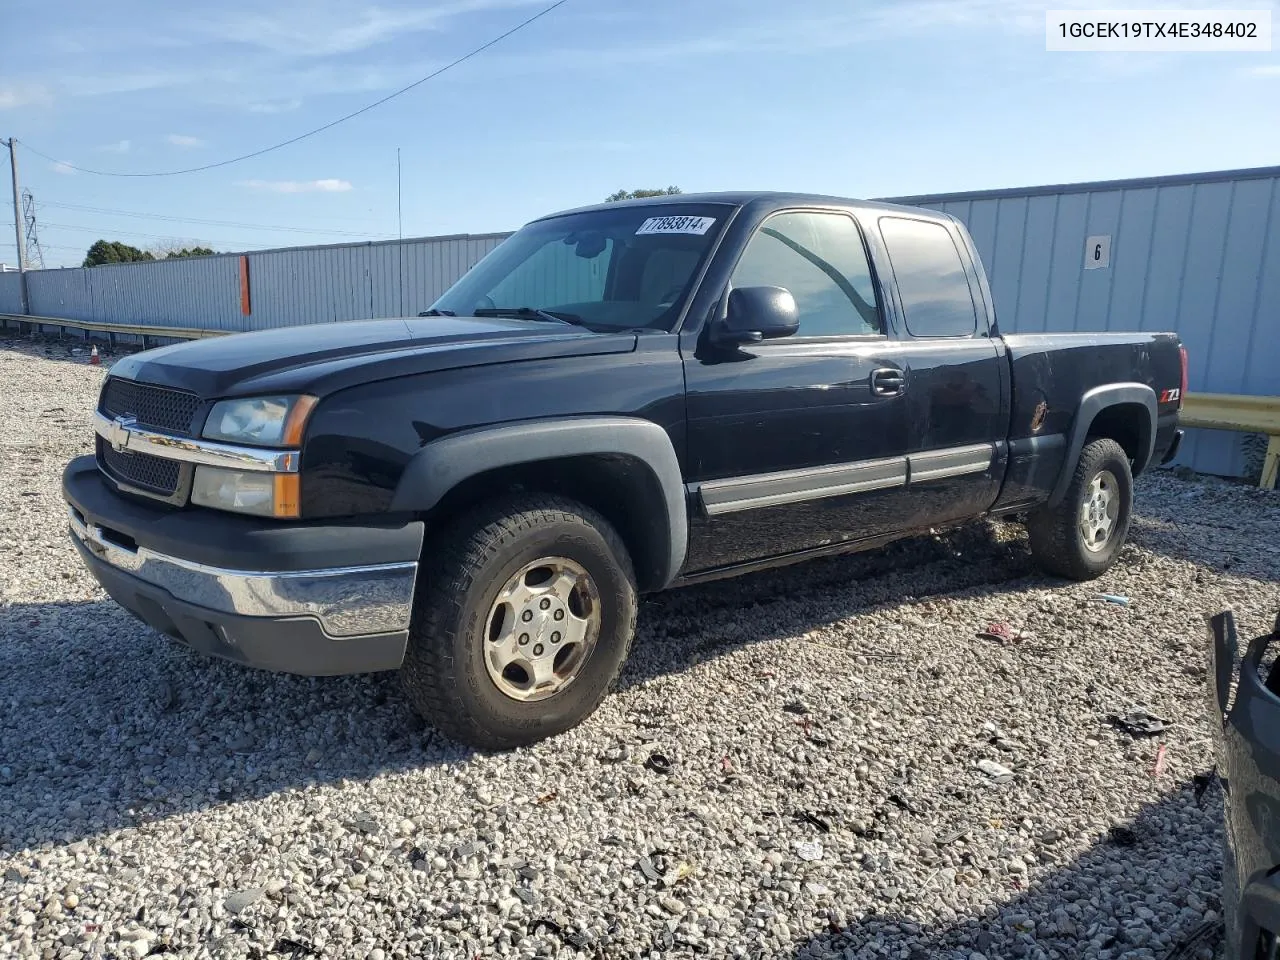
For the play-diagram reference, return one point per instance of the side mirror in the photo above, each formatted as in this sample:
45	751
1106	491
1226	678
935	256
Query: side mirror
755	314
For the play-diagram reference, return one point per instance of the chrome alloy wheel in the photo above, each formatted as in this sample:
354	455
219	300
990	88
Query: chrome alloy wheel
542	628
1100	511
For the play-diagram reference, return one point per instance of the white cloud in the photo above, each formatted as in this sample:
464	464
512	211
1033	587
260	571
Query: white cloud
183	141
13	95
1267	70
274	106
63	167
298	186
319	29
120	146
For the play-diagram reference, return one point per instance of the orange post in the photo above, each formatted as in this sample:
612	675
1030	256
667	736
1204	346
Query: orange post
244	285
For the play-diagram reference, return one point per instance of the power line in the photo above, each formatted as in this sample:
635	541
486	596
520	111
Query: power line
310	133
108	211
48	246
137	233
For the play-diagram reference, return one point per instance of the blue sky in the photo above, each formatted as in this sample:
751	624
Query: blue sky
852	97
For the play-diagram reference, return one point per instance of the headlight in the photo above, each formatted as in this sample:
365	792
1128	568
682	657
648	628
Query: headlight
241	491
260	421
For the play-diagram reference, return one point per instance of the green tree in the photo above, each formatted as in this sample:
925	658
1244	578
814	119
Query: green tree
165	249
113	251
641	194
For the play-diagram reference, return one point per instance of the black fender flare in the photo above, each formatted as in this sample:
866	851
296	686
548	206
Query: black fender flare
1094	402
443	464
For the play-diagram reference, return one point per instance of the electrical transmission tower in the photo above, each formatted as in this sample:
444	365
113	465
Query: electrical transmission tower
35	255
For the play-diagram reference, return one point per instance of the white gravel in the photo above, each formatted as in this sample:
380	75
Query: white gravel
823	727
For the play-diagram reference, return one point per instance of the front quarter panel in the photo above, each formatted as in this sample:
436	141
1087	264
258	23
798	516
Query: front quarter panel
360	440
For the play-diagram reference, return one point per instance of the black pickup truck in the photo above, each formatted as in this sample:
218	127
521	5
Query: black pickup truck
618	399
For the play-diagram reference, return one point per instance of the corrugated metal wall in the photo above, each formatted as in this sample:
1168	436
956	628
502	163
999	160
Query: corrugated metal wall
1198	254
287	287
10	292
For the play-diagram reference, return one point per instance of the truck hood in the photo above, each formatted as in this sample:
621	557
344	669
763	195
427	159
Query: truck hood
326	357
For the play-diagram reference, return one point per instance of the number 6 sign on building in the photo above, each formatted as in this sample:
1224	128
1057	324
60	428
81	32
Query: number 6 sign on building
1097	252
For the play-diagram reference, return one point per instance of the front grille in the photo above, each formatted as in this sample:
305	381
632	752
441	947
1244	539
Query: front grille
150	474
157	408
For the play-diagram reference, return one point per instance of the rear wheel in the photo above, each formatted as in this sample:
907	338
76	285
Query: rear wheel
524	616
1081	537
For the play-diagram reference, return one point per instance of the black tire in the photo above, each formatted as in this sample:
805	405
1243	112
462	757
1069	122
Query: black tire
1057	543
444	672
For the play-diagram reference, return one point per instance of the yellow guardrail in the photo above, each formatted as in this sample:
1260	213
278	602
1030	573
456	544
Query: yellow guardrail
1226	411
131	329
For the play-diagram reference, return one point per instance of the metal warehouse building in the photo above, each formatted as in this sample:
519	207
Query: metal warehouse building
1198	254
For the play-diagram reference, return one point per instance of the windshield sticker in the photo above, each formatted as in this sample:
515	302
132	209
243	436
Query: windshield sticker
694	225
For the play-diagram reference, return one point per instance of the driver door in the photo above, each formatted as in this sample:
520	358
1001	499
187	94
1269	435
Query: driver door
800	443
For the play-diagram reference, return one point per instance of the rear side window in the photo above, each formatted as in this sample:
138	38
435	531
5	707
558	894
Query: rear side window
931	279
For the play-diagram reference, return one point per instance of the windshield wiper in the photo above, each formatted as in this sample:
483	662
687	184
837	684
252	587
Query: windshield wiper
433	312
531	313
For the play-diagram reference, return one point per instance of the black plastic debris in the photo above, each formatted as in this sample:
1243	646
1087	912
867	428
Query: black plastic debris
1201	783
294	948
659	763
695	946
577	939
1140	723
1123	836
900	801
804	816
1208	934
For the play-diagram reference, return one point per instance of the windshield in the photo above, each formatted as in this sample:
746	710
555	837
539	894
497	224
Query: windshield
609	269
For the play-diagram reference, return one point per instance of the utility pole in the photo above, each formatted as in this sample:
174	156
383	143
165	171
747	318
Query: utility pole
17	224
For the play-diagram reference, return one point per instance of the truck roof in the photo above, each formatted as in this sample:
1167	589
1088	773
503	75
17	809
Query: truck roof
765	199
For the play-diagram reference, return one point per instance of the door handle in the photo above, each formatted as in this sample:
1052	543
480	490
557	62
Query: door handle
887	382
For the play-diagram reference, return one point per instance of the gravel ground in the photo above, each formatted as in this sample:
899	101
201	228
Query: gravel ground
822	727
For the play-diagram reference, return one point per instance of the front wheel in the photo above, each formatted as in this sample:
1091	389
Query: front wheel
1081	537
523	619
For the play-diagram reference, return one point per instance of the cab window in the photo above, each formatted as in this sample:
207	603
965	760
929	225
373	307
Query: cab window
821	259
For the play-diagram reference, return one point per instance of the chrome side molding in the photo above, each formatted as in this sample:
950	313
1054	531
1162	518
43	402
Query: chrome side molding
793	486
951	462
733	494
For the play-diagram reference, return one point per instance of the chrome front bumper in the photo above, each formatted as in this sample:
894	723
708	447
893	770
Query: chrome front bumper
347	601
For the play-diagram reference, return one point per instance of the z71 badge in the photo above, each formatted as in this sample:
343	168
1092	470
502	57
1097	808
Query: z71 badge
1170	396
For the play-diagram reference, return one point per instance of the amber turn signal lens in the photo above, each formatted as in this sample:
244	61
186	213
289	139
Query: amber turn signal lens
287	495
297	420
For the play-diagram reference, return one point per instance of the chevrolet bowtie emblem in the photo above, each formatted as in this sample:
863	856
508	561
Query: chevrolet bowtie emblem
118	432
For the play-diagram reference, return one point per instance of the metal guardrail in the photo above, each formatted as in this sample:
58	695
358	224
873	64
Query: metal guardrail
143	330
1226	411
